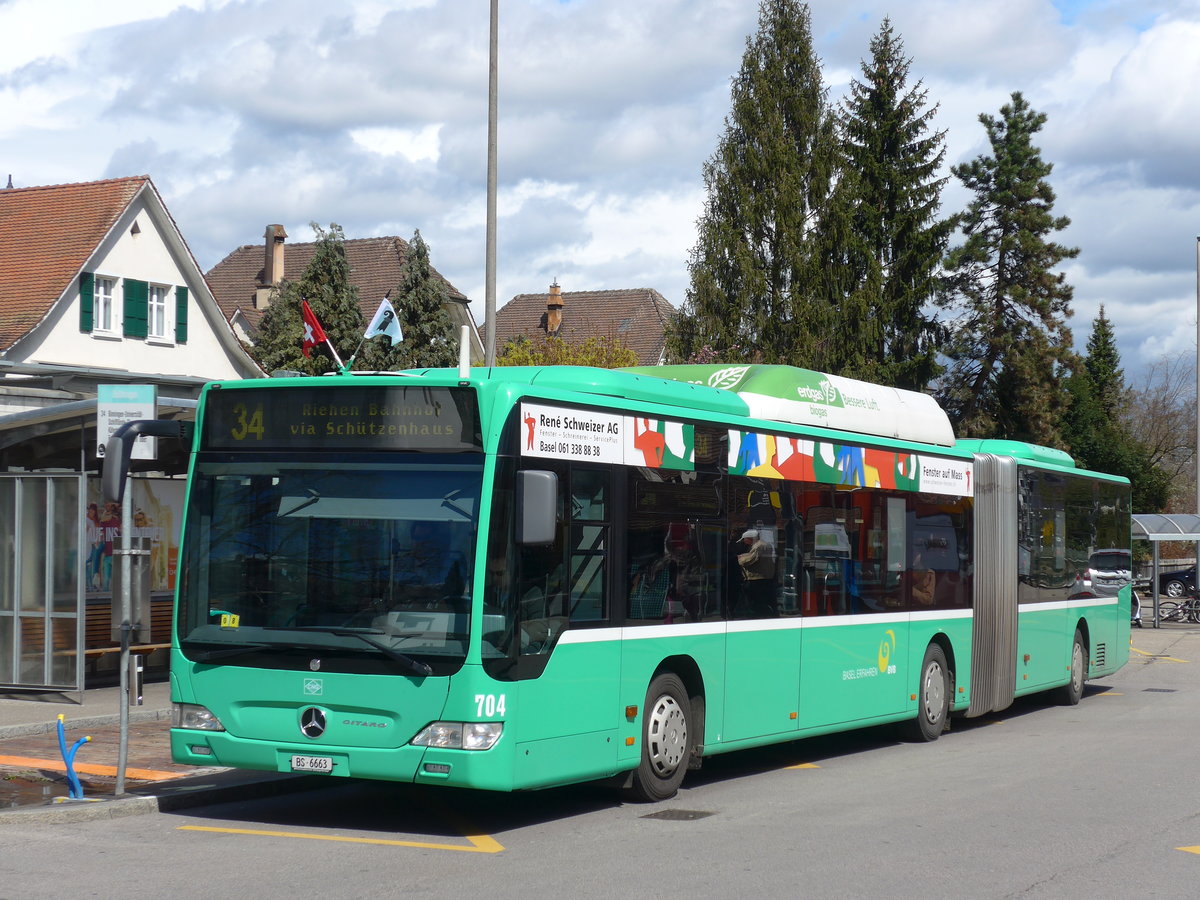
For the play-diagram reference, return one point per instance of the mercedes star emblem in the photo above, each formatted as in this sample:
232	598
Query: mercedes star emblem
312	722
314	664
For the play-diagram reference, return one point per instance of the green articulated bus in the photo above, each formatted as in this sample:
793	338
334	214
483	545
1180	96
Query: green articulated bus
522	577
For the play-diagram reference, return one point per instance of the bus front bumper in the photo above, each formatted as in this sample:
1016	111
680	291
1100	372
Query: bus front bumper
485	769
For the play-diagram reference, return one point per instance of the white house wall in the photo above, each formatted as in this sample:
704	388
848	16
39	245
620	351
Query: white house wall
147	257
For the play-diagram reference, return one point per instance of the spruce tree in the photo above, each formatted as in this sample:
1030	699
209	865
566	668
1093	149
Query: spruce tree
1097	434
896	191
420	301
758	288
1009	343
325	284
1103	362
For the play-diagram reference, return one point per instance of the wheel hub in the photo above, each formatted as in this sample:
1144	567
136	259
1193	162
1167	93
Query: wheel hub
666	736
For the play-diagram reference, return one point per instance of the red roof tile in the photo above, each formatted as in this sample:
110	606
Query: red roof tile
637	316
376	268
46	235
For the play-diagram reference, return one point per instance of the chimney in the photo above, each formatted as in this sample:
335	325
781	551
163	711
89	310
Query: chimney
272	265
554	308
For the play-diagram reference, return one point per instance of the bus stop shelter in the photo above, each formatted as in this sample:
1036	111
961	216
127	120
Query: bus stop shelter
1158	527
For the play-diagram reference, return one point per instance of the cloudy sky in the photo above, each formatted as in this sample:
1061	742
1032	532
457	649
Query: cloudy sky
373	114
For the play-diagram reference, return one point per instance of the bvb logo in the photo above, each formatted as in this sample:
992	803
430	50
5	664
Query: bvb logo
886	648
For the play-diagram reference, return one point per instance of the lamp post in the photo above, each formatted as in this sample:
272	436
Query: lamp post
489	278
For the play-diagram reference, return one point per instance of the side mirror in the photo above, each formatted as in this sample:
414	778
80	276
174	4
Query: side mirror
537	506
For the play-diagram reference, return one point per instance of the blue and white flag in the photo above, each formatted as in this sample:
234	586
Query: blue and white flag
385	322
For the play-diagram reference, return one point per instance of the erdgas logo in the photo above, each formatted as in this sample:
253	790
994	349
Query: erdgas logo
824	392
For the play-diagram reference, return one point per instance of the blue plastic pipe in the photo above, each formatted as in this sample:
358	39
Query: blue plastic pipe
74	788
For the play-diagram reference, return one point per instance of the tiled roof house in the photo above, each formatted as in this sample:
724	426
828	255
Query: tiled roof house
636	316
96	277
243	280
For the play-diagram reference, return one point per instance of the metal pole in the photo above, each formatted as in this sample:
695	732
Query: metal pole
490	262
1198	391
126	620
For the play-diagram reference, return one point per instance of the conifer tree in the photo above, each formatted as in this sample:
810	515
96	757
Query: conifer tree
896	195
325	284
420	302
1103	363
1098	434
758	285
1009	343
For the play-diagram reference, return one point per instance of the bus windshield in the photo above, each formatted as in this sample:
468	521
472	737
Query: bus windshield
347	556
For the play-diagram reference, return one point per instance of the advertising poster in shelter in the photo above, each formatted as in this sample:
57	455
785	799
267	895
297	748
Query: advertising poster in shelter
157	515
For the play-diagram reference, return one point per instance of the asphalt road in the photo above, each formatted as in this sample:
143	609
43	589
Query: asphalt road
1095	801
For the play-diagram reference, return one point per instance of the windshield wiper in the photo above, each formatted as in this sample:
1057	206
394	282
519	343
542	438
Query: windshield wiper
419	668
234	650
416	667
313	497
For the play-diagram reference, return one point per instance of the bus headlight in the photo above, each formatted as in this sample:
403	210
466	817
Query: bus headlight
191	715
460	735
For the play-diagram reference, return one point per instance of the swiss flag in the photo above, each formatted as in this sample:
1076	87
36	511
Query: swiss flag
313	332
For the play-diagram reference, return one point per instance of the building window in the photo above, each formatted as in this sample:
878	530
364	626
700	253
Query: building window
105	311
157	313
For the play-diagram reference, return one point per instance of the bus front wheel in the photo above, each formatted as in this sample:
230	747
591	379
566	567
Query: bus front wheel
666	740
933	697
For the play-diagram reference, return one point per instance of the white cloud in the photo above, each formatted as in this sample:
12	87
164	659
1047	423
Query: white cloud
415	145
372	114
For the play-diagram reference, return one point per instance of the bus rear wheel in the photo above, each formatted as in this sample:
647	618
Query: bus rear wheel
1070	693
933	697
666	740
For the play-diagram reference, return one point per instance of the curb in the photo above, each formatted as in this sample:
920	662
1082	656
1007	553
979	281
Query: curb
140	715
202	789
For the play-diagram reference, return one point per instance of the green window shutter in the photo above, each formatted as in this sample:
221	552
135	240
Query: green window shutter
181	297
135	317
87	284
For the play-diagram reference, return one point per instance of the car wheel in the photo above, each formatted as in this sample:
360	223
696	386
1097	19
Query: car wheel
1175	588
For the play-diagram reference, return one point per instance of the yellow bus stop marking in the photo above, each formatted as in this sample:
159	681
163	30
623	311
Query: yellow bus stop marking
1195	850
804	766
1155	656
480	843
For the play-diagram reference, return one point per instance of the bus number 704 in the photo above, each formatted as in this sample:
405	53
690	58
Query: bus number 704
489	705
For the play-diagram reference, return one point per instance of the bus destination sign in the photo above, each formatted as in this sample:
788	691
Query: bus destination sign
341	418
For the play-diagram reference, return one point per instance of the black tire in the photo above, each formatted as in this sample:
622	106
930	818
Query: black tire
1071	692
1193	611
1168	611
1175	588
666	740
933	697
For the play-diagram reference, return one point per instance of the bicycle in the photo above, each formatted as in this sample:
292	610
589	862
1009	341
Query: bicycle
1186	610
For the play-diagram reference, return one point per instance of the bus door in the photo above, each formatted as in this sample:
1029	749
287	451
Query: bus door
856	551
762	649
568	697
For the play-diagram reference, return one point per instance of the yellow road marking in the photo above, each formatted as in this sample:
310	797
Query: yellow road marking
57	765
1155	656
804	766
1111	694
1195	850
480	843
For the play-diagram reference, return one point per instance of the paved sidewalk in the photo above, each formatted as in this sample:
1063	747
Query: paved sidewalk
33	774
